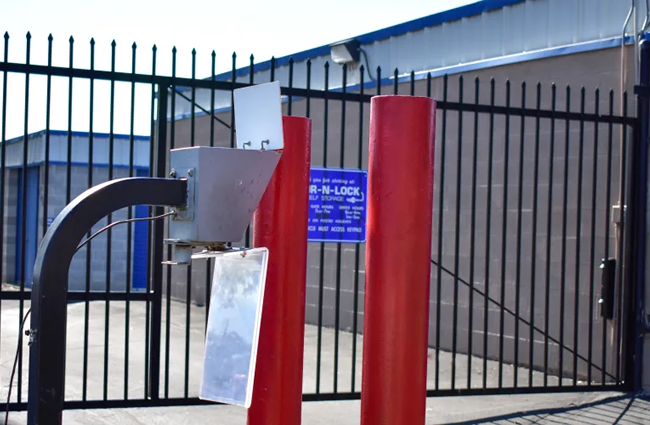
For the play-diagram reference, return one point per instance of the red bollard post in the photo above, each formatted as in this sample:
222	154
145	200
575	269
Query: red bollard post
398	254
281	226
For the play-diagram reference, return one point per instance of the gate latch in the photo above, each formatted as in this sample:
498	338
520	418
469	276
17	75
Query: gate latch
618	217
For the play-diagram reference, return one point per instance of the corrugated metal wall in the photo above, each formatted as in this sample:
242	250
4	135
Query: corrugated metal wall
524	27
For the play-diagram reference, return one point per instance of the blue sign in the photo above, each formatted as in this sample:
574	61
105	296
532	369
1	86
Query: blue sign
337	205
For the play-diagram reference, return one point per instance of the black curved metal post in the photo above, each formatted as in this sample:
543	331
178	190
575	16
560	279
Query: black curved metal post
50	286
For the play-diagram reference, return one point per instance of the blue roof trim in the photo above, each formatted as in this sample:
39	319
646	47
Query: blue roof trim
392	31
78	134
468	67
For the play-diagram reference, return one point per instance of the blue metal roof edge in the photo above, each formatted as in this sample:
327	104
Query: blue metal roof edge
472	66
77	134
381	34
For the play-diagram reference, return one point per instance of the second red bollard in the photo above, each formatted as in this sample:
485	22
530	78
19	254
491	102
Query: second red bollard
398	254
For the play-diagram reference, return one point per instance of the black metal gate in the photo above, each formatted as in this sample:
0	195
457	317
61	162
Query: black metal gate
525	180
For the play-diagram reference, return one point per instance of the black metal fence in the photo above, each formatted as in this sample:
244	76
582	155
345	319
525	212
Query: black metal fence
524	183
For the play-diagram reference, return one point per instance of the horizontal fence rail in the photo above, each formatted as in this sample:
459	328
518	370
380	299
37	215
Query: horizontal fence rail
525	177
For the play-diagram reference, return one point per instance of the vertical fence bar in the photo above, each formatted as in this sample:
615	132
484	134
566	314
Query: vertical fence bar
379	81
188	285
547	290
459	161
251	70
619	268
208	263
3	160
441	211
395	81
504	227
635	303
608	196
23	218
564	232
472	248
592	261
636	276
68	180
576	316
272	68
152	132
321	276
308	99
251	73
46	162
158	233
233	81
533	255
111	150
129	235
337	317
168	307
488	224
290	97
357	248
412	83
520	189
89	244
3	163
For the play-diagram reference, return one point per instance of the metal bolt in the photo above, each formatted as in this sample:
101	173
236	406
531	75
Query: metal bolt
172	173
190	172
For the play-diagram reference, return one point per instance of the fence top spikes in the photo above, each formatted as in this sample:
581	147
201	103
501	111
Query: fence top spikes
174	50
113	43
213	54
134	46
92	41
49	37
71	39
154	48
6	35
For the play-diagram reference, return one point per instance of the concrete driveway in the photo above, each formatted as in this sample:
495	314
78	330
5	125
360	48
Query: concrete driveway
178	384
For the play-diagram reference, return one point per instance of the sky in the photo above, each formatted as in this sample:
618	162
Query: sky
260	27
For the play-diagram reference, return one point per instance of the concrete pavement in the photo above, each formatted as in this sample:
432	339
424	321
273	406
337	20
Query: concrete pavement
127	366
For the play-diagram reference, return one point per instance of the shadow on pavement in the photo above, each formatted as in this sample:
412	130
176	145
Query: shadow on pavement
632	409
